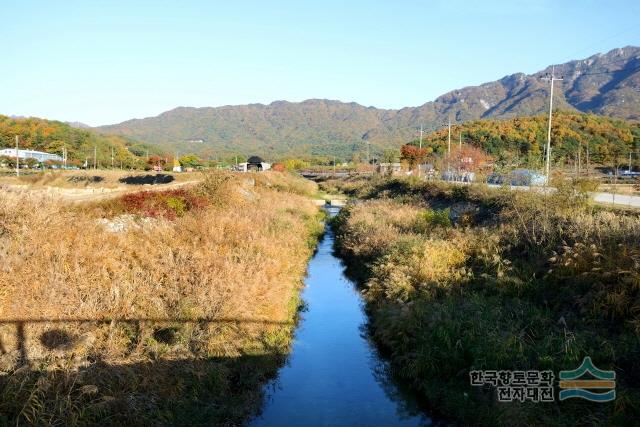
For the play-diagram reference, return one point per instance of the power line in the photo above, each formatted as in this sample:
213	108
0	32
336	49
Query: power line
612	71
633	27
610	63
592	46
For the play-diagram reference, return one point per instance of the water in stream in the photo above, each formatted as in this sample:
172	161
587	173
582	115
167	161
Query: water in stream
334	375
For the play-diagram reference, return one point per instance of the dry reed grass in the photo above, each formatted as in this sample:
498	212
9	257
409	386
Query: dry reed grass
518	281
241	258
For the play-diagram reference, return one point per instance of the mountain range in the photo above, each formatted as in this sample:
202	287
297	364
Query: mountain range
604	84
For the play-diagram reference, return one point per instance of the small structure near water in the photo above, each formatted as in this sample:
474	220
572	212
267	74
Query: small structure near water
253	164
389	168
177	167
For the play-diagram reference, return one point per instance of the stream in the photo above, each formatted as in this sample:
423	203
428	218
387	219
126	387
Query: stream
334	375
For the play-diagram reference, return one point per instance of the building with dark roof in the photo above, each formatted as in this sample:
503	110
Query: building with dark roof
253	164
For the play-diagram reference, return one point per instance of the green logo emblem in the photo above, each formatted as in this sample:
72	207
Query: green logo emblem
571	385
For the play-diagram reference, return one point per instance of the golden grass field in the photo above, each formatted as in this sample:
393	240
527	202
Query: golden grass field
143	321
463	278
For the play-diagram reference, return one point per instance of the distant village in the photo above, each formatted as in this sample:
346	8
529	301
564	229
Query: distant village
465	169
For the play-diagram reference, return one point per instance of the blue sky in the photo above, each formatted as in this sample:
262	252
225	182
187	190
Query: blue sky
102	62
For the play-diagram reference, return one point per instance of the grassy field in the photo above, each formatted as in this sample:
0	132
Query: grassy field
171	307
462	278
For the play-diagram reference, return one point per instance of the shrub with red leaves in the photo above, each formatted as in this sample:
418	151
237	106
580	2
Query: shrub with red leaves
278	167
168	204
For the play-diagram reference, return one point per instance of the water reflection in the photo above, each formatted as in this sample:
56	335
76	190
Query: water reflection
334	376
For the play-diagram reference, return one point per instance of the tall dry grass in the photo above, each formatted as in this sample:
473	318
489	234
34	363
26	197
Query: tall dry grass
463	278
240	260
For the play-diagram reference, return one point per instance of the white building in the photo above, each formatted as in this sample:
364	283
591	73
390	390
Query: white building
254	163
389	168
246	167
40	156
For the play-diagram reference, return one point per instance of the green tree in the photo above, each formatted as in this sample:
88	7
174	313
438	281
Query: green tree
30	162
390	155
190	161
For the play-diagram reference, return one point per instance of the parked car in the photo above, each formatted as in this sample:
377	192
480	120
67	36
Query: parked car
629	174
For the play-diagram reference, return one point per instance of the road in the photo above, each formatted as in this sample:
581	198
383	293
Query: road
621	200
616	199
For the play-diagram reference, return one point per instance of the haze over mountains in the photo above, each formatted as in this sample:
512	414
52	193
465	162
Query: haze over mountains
606	84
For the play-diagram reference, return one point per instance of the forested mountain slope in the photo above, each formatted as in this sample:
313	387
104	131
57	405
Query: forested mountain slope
606	84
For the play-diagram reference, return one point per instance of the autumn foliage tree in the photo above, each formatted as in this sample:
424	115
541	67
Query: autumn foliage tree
156	161
56	137
470	159
412	155
278	167
522	140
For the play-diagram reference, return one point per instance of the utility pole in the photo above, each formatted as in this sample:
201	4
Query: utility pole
629	161
64	157
17	157
449	143
421	136
449	148
111	157
368	158
551	79
579	160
